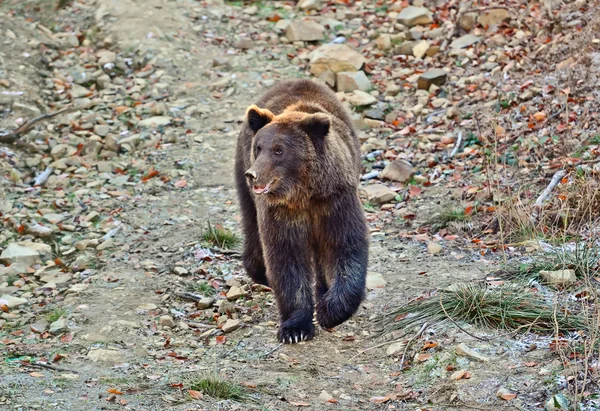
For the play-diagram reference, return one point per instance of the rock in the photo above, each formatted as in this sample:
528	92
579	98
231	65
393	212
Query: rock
309	5
359	98
62	150
147	307
412	16
325	396
406	48
379	194
59	326
205	302
155	121
504	393
231	325
78	288
106	244
493	17
465	351
112	144
106	57
420	49
78	91
11	301
353	80
180	271
244	43
17	254
435	76
101	129
166	321
464	41
328	78
384	42
305	30
557	402
39	326
398	170
395	348
434	248
467	21
236	292
562	278
375	113
336	58
108	356
375	280
392	89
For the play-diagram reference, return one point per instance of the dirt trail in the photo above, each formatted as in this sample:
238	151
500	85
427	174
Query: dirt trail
119	315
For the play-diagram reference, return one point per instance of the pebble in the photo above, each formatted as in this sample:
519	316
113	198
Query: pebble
166	321
398	170
231	325
465	351
379	193
375	280
107	356
434	248
235	293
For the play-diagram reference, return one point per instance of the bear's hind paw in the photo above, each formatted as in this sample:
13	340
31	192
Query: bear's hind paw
295	334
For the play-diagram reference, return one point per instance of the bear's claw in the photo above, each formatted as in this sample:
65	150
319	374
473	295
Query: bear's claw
295	333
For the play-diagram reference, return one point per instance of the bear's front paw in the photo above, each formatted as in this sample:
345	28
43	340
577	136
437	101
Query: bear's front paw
292	332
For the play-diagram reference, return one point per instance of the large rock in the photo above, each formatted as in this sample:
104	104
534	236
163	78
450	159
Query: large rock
435	76
353	80
336	58
379	194
414	16
398	170
464	41
360	98
11	301
231	325
25	253
493	17
305	30
108	356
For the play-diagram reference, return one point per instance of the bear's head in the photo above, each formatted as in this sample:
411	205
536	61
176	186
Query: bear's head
284	148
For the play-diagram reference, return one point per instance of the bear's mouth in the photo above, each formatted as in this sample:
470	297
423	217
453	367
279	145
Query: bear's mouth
261	189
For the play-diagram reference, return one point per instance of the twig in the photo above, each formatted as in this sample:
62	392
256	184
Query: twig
50	367
409	343
14	135
457	145
555	179
41	178
272	351
189	296
459	327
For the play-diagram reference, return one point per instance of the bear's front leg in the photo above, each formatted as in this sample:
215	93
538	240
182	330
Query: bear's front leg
285	235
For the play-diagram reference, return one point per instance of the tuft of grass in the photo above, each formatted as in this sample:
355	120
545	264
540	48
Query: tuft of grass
216	387
219	236
446	217
11	279
508	307
56	314
203	288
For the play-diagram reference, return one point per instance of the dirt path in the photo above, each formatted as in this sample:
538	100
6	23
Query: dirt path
134	344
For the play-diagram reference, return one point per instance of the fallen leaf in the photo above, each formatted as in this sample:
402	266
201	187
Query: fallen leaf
221	339
114	391
197	395
67	338
458	375
36	374
249	384
540	116
530	364
379	400
508	396
414	191
423	357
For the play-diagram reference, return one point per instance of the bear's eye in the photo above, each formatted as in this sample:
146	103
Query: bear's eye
258	149
279	151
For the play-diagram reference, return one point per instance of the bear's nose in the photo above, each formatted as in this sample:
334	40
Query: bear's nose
251	174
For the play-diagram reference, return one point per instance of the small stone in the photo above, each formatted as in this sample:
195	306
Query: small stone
156	121
16	254
166	321
467	21
106	57
395	348
398	170
384	42
406	48
375	113
413	16
11	301
557	402
437	77
59	326
236	292
336	58
305	30
204	302
39	327
504	393
562	278
325	396
307	5
78	91
392	89
420	49
106	244
101	129
231	325
465	351
493	17
379	193
180	271
359	98
78	288
244	43
434	248
353	80
375	280
147	307
108	356
464	41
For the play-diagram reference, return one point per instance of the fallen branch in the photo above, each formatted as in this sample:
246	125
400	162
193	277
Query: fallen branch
555	179
458	326
457	145
268	353
410	342
41	178
50	367
16	134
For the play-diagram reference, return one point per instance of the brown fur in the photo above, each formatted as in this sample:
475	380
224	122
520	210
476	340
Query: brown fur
298	146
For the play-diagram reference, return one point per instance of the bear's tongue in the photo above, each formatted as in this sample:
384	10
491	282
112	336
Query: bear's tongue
259	189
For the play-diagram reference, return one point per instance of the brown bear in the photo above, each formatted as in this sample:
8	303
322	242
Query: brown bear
297	172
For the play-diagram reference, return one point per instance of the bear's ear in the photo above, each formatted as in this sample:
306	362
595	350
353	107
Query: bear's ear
316	126
258	117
